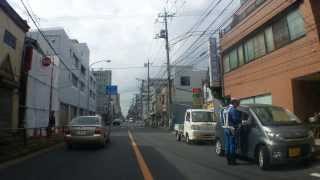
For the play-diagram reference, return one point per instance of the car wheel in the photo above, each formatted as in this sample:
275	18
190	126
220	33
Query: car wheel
219	149
103	144
69	146
263	158
108	140
188	141
307	162
178	136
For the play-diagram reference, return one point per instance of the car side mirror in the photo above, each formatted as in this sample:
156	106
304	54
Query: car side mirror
245	122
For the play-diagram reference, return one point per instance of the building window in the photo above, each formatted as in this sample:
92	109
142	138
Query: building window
249	50
233	59
9	39
226	63
267	99
83	70
74	80
269	39
259	45
296	25
82	86
185	81
240	55
264	99
247	101
281	33
76	61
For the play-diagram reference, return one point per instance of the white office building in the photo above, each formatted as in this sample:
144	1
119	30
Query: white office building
76	84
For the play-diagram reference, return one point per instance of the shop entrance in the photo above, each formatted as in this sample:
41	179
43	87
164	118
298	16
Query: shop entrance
5	107
306	96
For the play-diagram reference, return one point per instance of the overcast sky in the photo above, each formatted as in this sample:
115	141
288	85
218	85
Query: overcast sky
120	30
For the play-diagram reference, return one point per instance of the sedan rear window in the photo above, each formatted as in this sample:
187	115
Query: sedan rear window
85	121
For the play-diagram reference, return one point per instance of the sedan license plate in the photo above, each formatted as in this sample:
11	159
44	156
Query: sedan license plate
82	133
294	152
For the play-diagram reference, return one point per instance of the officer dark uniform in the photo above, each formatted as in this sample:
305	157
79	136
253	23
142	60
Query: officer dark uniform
234	119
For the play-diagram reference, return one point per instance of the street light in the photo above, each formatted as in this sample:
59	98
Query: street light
107	61
88	83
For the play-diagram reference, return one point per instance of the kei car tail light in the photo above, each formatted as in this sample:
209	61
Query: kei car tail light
98	131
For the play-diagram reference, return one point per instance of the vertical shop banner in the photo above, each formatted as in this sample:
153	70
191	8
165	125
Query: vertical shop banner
196	98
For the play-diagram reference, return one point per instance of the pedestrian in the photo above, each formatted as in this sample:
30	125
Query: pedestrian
232	119
51	124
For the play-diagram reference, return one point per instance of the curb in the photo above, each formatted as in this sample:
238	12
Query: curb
18	160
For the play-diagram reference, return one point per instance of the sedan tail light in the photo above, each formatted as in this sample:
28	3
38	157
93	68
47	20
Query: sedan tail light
98	131
67	131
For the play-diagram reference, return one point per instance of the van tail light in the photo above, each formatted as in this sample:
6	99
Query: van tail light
98	131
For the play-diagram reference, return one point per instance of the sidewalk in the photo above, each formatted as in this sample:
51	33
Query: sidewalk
16	150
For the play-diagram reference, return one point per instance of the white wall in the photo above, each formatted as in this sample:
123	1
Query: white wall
38	92
184	93
67	49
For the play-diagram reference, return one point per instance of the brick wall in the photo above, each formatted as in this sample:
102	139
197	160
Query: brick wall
274	72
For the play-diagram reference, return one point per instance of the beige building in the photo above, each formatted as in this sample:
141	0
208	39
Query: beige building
271	55
12	35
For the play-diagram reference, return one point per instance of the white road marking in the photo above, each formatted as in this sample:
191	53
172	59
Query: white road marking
315	175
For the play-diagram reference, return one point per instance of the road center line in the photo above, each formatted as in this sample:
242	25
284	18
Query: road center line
142	164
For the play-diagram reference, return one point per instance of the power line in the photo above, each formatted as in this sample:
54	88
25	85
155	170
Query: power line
182	57
207	29
43	35
206	13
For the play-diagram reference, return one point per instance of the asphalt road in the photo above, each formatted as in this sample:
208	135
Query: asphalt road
164	158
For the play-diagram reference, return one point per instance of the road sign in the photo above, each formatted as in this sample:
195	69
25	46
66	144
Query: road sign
111	90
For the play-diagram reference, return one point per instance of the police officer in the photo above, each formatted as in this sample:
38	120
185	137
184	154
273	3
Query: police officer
233	119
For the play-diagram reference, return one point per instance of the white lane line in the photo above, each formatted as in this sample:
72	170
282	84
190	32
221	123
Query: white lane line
315	175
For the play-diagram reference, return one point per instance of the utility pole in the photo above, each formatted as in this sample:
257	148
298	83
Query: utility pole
148	87
148	64
164	35
50	93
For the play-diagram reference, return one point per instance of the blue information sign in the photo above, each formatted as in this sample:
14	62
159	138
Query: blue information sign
111	90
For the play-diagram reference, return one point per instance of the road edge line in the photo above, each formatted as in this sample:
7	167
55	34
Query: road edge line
18	160
141	162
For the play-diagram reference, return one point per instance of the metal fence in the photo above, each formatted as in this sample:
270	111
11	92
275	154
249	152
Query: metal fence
23	136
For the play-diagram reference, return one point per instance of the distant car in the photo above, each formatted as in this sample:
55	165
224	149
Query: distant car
140	123
116	122
87	130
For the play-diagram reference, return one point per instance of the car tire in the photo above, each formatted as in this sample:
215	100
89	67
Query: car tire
69	146
307	162
263	158
178	136
108	140
103	144
219	150
188	141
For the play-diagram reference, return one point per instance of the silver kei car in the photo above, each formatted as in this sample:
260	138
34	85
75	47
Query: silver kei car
87	130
